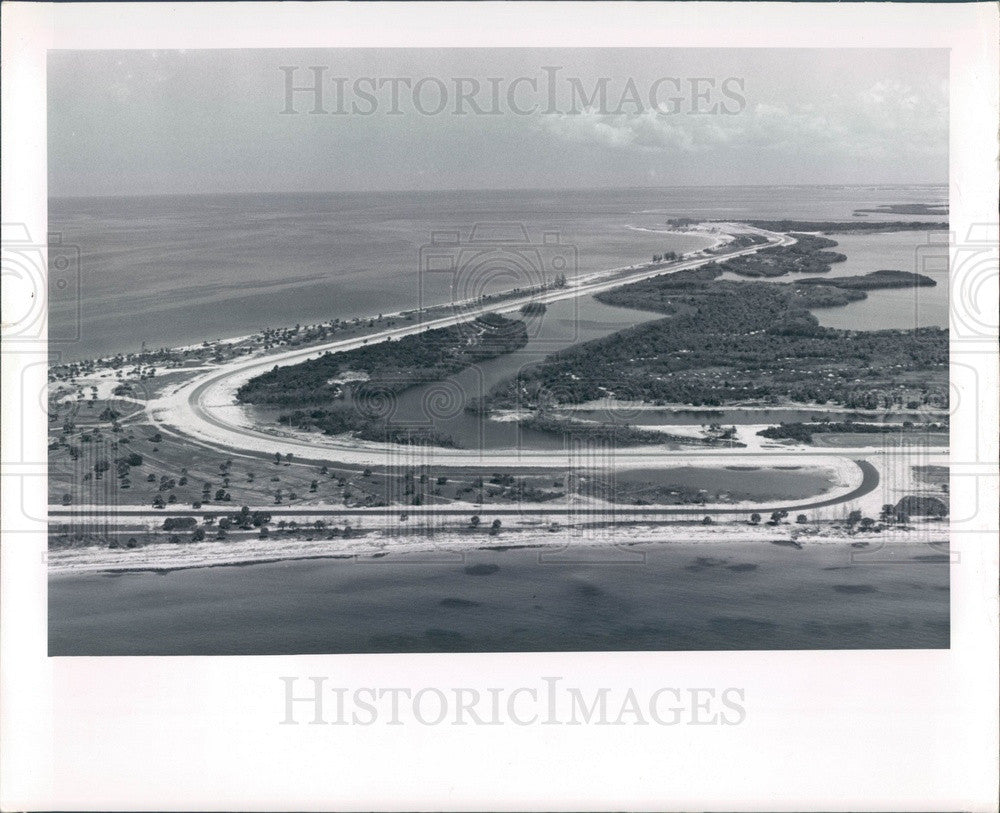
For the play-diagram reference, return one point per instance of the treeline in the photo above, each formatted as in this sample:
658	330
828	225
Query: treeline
609	432
666	257
808	254
349	420
803	432
834	227
886	278
744	240
824	296
391	366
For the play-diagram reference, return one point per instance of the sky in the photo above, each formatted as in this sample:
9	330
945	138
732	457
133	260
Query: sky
295	120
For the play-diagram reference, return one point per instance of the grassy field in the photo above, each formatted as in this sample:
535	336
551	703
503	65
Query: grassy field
177	473
849	440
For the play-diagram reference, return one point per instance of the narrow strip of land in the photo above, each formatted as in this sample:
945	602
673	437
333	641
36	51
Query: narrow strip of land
202	409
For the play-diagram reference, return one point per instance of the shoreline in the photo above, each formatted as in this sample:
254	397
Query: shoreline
613	405
177	411
716	239
167	557
201	408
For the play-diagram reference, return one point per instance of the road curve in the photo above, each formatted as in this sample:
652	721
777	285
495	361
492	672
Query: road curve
202	410
869	482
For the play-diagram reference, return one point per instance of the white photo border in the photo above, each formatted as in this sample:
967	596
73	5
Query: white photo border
832	730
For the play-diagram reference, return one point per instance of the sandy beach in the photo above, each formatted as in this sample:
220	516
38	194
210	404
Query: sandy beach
168	556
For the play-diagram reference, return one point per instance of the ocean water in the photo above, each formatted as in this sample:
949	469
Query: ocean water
175	270
715	596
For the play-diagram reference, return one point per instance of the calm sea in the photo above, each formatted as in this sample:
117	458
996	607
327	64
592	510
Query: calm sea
675	597
168	271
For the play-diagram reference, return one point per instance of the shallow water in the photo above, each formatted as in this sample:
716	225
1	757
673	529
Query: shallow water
662	597
901	308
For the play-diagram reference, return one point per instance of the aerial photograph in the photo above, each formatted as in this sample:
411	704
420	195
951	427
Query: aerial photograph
497	350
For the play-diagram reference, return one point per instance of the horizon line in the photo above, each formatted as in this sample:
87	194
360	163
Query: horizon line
247	193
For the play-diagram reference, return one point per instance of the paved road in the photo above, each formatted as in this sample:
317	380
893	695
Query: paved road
200	410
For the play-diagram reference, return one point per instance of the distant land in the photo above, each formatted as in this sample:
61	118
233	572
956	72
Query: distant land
935	209
837	227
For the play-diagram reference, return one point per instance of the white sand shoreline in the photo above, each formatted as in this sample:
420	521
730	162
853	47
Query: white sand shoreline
374	544
613	405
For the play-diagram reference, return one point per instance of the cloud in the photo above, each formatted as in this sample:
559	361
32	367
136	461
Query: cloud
888	118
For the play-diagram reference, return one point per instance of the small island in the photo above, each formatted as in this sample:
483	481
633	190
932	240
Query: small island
852	227
886	278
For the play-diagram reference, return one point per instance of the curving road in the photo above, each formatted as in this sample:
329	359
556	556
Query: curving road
202	411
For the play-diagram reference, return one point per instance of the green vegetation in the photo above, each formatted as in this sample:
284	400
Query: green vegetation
365	380
829	292
835	227
803	432
808	254
744	240
343	419
918	506
666	257
388	367
876	279
933	475
610	432
824	296
733	342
